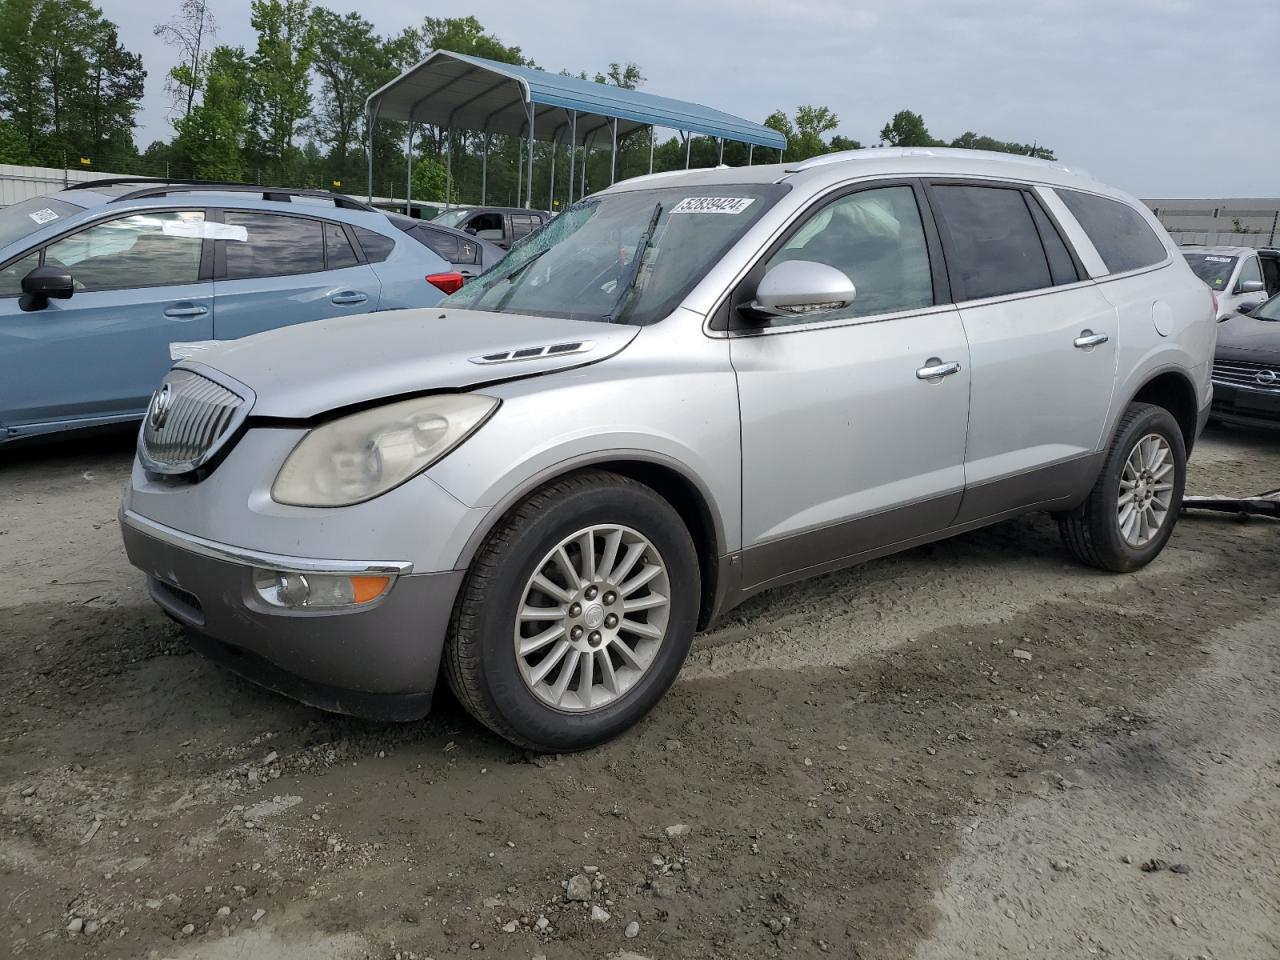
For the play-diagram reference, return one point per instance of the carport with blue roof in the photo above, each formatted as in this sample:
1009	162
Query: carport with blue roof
455	91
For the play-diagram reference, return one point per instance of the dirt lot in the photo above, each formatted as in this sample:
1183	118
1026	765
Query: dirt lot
859	766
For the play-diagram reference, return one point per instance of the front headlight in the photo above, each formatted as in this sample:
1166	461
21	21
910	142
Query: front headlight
366	454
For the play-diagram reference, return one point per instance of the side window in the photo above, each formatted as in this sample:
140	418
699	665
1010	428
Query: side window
522	225
376	247
275	246
444	244
468	252
143	250
487	226
995	248
1123	238
11	276
337	248
875	237
1249	271
1061	267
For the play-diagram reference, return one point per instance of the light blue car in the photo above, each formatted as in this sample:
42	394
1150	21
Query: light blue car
103	285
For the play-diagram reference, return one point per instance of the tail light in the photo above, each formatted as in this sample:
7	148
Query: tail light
448	282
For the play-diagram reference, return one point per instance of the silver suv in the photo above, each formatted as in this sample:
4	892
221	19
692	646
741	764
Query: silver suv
682	391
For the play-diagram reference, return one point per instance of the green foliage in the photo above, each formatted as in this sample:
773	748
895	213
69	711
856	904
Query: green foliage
211	138
13	145
191	33
627	77
280	75
804	133
66	83
351	63
429	176
907	129
972	141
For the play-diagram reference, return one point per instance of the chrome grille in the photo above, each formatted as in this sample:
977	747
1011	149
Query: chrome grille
1242	373
189	418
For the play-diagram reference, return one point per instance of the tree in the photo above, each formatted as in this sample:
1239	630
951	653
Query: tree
844	143
13	145
351	64
972	141
191	33
211	138
627	77
281	68
429	179
907	129
804	133
112	95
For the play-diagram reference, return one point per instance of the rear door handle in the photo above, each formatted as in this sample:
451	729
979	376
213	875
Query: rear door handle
348	296
935	369
183	310
1088	340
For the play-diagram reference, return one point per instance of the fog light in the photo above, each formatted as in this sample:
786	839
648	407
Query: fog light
283	588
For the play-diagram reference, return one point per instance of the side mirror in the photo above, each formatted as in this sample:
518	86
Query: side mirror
1246	309
1252	286
802	288
44	284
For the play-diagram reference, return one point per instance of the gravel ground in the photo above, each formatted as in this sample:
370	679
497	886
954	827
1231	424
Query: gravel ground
972	749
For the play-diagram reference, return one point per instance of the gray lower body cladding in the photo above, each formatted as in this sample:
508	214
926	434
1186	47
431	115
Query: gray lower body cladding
378	662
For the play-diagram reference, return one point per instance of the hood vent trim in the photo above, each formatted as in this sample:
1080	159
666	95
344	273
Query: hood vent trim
536	353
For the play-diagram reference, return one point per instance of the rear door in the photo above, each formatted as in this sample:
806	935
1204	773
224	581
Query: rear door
142	282
1042	342
280	269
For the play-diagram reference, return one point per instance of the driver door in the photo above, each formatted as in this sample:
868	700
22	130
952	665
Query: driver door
848	445
142	282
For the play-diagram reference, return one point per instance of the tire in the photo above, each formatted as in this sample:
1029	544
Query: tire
1094	531
503	689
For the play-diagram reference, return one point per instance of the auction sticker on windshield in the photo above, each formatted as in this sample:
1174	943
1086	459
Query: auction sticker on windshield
43	216
733	205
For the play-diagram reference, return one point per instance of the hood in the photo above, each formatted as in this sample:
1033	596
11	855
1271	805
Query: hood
1249	340
311	368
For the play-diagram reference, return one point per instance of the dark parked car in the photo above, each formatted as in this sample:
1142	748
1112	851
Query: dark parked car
469	255
1246	367
500	225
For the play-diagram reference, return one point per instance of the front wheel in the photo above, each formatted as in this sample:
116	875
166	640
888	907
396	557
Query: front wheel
1130	513
577	613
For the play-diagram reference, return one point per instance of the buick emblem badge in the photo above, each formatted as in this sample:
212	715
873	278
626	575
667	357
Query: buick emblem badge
159	412
1267	378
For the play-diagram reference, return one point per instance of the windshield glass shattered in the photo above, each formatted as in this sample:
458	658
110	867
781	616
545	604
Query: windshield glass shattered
629	257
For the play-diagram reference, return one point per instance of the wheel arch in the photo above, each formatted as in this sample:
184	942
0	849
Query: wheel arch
1172	389
672	480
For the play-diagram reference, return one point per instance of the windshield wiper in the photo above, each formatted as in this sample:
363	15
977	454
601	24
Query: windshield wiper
633	270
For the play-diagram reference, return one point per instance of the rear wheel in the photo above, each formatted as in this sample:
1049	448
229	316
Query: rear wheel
577	613
1131	511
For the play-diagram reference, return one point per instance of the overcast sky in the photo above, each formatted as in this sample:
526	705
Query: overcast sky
1162	98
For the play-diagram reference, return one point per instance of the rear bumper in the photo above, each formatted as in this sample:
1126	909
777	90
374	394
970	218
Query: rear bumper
379	661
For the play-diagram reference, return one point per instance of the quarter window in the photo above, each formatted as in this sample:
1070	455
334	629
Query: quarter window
444	245
376	247
143	250
875	237
995	247
274	246
11	276
337	248
1120	234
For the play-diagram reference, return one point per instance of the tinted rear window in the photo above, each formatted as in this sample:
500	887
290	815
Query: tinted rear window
444	244
995	248
275	246
1122	237
376	247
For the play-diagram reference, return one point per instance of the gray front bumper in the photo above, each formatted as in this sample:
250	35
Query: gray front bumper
378	661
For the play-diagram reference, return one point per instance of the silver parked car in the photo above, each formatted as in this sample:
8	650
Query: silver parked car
684	390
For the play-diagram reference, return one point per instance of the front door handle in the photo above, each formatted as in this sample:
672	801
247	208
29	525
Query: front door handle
1088	340
184	310
348	296
935	369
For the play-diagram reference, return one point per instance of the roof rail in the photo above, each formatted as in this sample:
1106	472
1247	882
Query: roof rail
958	153
152	187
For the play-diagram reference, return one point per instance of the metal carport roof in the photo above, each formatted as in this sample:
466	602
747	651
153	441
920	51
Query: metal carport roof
458	91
